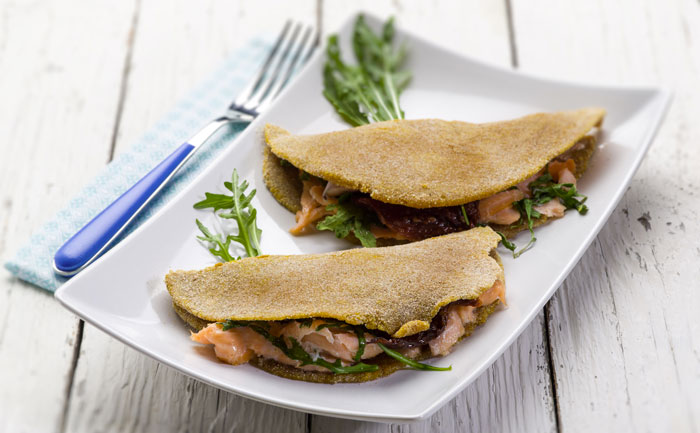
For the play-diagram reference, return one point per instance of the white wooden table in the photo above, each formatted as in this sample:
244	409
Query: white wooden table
616	349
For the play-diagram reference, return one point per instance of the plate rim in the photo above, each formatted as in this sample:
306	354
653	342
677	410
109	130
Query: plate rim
659	101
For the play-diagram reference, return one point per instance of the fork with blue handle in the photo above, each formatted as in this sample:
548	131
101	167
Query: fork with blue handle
292	49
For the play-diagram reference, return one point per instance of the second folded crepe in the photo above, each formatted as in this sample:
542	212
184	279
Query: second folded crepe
284	313
408	180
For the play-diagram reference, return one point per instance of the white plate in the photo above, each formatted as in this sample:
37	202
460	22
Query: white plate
123	292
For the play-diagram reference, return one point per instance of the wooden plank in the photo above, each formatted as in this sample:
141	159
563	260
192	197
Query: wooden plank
624	330
474	28
166	64
514	394
117	388
60	93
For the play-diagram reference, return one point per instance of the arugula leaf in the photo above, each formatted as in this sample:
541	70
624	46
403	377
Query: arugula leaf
346	219
381	65
337	368
242	211
370	91
221	246
527	214
335	324
464	214
361	343
363	234
295	351
543	190
305	323
506	243
411	363
215	201
342	86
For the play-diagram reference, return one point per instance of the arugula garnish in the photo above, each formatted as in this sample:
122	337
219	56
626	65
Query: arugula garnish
368	92
346	219
221	245
242	211
506	243
305	323
295	351
411	363
528	215
543	190
464	214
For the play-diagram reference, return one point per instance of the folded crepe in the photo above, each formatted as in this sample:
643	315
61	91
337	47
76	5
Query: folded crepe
279	312
407	180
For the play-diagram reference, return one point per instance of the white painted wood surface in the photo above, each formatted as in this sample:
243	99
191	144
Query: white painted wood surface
59	93
81	82
624	328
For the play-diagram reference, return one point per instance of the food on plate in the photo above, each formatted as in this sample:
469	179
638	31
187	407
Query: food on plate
407	180
238	207
370	91
346	316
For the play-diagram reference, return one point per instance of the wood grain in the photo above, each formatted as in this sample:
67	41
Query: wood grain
81	82
624	329
176	45
59	103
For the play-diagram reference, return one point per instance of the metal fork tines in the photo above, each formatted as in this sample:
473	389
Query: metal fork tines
291	50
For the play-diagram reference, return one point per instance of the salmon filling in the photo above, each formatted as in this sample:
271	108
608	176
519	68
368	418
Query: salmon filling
404	223
331	342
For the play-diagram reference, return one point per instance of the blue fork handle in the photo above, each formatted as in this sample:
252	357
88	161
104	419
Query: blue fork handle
93	239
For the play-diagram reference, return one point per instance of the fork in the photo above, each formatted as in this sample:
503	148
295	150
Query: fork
291	50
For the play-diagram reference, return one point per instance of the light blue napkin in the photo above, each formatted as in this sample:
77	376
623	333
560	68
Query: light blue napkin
32	262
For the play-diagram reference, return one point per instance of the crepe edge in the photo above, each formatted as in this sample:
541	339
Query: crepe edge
489	240
594	117
286	187
581	158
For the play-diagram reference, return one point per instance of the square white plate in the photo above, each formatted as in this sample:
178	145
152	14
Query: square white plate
123	292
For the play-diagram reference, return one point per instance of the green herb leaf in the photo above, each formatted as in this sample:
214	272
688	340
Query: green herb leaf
411	363
370	91
346	219
335	324
338	368
245	216
543	190
305	323
361	343
506	243
215	201
527	214
221	246
464	214
342	86
242	211
380	64
295	351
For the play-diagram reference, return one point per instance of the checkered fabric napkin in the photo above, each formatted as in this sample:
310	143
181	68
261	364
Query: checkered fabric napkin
32	262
